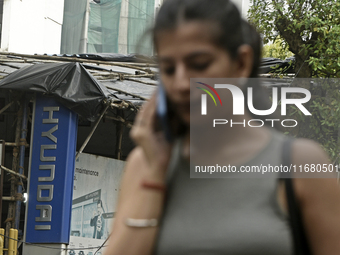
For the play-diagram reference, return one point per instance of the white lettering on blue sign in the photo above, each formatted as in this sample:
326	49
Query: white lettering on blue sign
46	209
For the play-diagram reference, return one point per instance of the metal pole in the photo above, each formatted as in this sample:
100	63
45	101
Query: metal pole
2	242
83	46
2	160
21	161
120	139
120	130
91	133
5	108
15	242
11	242
15	166
13	172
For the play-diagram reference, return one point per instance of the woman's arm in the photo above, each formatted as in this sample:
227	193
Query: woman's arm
138	203
319	200
146	163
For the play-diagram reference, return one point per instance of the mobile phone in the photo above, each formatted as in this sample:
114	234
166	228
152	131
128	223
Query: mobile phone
163	112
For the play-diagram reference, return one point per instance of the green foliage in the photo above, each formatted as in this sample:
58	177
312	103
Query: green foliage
311	31
323	126
277	49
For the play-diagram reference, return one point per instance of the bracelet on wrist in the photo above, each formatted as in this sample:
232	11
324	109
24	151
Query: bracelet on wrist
141	223
153	185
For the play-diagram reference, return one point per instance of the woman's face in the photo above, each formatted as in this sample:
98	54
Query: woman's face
189	52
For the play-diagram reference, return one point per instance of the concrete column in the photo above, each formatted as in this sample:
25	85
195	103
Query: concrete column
6	21
123	28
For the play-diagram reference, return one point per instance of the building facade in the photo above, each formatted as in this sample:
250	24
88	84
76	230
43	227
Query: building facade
72	27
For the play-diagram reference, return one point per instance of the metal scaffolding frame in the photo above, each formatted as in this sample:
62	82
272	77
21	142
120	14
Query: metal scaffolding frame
112	110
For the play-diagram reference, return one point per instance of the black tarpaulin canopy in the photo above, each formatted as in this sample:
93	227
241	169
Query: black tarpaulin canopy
69	83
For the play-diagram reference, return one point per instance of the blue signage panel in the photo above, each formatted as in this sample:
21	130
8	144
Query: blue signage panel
52	170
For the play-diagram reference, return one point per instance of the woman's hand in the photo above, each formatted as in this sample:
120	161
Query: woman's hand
153	143
147	162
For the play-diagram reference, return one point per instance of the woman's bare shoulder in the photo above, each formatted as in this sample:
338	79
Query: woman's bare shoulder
308	155
319	198
306	151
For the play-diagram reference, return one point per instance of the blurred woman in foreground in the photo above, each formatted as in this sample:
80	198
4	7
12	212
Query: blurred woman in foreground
161	210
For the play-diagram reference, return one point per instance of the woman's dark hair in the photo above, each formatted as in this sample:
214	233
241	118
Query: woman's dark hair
253	39
231	32
260	94
222	14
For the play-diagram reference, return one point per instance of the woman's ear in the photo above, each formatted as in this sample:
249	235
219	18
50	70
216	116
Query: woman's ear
245	60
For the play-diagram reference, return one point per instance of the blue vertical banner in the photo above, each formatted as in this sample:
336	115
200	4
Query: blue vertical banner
53	147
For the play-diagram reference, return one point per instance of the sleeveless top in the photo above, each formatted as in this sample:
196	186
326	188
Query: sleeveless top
224	216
